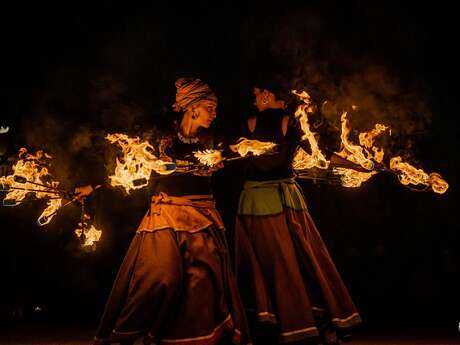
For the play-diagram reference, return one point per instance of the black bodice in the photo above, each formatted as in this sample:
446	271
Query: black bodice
274	166
180	183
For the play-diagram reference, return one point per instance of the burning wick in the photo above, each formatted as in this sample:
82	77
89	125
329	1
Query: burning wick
256	147
209	157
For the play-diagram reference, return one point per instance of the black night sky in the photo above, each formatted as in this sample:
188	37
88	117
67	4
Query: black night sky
74	70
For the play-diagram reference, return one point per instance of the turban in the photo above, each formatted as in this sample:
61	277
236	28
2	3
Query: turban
190	92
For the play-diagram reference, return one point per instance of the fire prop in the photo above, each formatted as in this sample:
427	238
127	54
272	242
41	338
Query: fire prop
134	169
88	235
31	177
209	157
408	174
31	180
365	155
245	146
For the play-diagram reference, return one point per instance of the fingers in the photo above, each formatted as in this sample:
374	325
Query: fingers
83	192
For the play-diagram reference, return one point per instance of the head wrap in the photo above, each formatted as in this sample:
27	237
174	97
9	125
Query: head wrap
192	91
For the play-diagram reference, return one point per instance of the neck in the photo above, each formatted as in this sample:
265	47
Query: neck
188	127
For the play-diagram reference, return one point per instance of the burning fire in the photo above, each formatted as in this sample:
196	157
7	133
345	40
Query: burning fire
31	176
366	139
352	152
256	147
408	174
209	157
302	160
351	178
134	169
359	155
51	207
91	235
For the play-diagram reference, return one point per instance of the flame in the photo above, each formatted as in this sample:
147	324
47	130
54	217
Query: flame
29	171
51	207
408	174
256	147
209	157
352	152
351	178
137	163
357	154
303	160
91	234
366	139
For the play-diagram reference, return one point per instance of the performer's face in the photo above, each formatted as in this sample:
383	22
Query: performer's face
206	111
262	98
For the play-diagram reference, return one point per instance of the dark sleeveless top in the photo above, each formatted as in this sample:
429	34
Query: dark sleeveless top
178	183
274	166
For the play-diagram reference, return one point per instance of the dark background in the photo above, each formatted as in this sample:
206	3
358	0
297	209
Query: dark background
73	71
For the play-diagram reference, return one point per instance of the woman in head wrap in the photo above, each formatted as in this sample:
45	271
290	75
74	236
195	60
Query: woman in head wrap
175	285
287	280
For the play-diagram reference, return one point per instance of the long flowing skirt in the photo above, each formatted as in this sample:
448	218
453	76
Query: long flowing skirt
284	271
175	285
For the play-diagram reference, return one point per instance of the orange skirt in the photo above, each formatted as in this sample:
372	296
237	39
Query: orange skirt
175	285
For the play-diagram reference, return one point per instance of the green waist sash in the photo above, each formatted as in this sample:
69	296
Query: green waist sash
261	198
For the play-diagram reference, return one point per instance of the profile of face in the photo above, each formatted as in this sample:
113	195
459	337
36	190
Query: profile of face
263	99
204	113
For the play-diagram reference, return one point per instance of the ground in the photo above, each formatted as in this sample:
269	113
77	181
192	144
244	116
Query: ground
46	335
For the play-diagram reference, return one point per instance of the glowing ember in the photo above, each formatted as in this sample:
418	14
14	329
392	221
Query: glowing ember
137	163
408	174
256	147
209	157
30	176
303	160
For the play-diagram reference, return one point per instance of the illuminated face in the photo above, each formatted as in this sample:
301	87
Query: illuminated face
262	98
206	113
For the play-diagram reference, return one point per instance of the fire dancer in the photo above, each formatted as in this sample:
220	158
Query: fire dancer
284	271
175	284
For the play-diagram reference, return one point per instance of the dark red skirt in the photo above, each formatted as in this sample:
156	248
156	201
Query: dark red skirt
284	271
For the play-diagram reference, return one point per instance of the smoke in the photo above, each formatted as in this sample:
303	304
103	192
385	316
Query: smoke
317	49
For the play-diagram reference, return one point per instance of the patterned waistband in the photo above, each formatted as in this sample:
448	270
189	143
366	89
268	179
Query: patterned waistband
199	201
269	183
